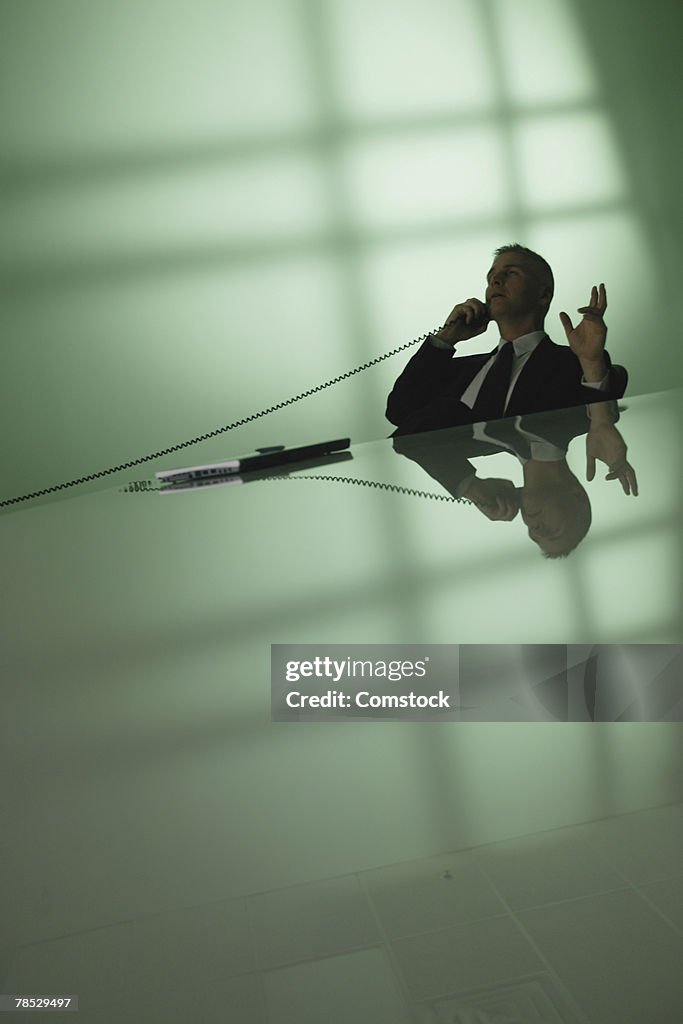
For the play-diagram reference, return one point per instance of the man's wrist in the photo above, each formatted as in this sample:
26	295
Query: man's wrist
468	487
594	370
438	341
601	414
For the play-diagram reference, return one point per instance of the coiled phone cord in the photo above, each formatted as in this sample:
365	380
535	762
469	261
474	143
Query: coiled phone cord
395	488
212	433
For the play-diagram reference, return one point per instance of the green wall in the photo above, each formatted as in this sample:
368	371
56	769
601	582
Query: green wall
209	209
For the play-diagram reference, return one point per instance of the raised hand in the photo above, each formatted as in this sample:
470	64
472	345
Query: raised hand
466	320
587	339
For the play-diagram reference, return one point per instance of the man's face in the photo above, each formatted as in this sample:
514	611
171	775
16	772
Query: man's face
513	286
556	519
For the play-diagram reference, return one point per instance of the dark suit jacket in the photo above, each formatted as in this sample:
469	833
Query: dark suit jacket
426	395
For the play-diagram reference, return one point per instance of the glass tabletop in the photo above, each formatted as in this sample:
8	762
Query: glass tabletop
456	536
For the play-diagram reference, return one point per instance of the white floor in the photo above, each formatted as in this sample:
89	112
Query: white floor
576	925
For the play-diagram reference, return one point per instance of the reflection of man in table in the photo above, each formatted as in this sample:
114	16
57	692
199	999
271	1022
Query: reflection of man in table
553	503
526	373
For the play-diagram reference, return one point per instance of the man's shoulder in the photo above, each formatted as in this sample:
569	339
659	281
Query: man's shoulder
552	346
440	357
557	355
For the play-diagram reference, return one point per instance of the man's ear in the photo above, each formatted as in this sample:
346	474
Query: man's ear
546	296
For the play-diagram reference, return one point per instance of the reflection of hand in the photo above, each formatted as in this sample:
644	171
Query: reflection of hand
587	339
497	499
466	320
605	443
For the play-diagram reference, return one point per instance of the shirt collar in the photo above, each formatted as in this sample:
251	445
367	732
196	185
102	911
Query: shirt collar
527	343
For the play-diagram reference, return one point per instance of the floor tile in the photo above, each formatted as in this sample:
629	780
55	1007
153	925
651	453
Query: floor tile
305	922
6	957
668	896
459	959
548	867
645	846
616	956
204	941
534	999
358	988
220	1001
429	894
91	965
158	967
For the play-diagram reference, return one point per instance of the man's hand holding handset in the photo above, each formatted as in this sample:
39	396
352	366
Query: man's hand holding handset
466	320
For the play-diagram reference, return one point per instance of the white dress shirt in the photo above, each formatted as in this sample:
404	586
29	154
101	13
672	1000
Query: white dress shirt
541	450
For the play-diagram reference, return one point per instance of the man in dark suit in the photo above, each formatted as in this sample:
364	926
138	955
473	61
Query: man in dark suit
526	373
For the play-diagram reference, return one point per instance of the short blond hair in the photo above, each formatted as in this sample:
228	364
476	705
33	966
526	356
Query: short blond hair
544	271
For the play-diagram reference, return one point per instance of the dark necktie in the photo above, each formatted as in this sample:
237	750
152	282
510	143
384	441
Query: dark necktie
490	402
